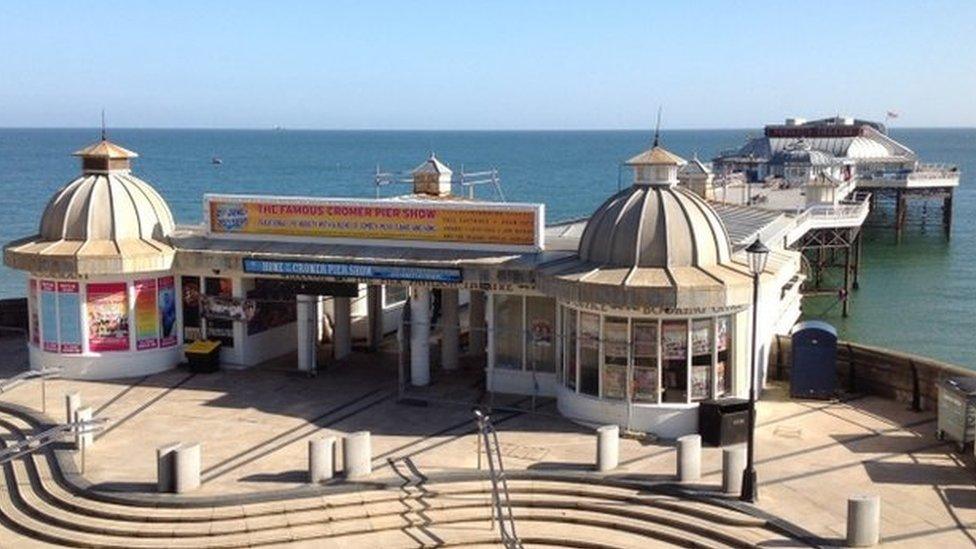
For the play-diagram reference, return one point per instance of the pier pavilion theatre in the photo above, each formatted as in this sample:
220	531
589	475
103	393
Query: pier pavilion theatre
631	316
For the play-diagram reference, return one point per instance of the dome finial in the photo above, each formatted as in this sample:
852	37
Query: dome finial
104	137
657	128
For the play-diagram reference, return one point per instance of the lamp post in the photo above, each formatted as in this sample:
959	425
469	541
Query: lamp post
758	254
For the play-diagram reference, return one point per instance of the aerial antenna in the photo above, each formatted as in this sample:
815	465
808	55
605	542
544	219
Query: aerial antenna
103	124
657	128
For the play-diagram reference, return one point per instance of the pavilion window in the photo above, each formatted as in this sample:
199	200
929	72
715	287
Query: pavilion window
701	359
540	335
508	330
674	340
569	346
644	342
615	357
394	295
589	354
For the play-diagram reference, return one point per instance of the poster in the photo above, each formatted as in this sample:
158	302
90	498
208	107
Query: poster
645	384
723	334
589	331
645	339
146	315
614	381
190	302
700	386
701	337
35	320
487	224
615	338
49	315
218	329
108	317
674	339
69	317
167	311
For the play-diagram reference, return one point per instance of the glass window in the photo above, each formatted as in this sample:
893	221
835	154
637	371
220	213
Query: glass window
540	318
701	359
221	330
589	353
674	342
394	295
190	303
614	357
508	331
644	349
569	351
724	347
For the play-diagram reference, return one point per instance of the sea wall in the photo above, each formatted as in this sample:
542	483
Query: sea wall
878	371
13	314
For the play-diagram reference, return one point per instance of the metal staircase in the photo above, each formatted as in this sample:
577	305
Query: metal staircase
501	503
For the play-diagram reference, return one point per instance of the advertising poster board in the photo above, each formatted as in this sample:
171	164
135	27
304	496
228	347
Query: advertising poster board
69	316
49	315
167	311
35	320
108	316
190	301
147	317
507	225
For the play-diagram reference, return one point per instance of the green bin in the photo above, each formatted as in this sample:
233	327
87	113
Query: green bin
957	410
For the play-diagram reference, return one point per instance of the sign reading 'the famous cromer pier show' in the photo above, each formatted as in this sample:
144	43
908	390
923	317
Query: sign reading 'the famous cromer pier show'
516	227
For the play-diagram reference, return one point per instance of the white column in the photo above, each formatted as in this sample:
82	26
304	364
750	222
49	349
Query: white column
450	333
72	401
419	336
307	328
374	311
166	467
607	448
357	455
477	337
733	464
321	459
863	521
342	336
186	462
689	458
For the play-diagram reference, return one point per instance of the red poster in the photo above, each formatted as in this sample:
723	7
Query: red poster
108	317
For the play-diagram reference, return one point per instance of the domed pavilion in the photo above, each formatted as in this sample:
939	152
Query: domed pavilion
101	292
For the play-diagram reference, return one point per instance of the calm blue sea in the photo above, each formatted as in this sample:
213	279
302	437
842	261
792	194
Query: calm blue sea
918	296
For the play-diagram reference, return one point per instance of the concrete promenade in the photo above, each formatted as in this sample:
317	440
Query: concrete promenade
254	426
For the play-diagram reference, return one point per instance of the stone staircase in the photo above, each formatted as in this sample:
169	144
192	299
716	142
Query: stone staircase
38	501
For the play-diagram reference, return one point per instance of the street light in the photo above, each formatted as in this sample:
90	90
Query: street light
758	253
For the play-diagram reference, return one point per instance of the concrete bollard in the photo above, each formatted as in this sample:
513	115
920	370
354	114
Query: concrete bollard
689	458
186	467
85	439
863	521
357	455
321	459
166	467
733	466
607	448
72	401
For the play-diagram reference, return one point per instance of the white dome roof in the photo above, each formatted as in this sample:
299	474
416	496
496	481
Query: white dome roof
655	226
112	206
106	221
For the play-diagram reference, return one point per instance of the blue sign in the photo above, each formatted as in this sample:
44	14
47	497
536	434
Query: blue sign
351	270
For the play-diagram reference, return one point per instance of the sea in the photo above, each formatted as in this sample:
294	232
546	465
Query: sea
917	295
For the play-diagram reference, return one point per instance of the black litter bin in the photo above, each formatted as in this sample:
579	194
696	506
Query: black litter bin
723	421
203	356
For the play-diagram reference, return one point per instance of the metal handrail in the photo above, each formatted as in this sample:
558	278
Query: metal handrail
501	502
36	442
23	377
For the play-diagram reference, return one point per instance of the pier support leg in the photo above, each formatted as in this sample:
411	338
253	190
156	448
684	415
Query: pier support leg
419	336
374	313
947	214
900	214
478	335
342	335
451	329
845	306
857	260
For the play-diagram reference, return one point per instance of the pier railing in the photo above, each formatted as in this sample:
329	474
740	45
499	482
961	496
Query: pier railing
887	373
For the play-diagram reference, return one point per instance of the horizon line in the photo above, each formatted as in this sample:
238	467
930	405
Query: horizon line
307	129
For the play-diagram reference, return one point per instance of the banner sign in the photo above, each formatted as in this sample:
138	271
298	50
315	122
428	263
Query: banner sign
49	315
516	227
228	308
351	270
147	316
69	316
35	319
108	317
167	311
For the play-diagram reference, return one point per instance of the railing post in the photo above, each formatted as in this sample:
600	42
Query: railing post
916	388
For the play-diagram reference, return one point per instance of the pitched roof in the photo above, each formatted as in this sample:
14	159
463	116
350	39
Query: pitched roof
656	156
432	165
105	149
695	166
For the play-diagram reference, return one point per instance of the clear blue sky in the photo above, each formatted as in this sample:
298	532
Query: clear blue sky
483	65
